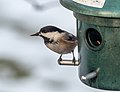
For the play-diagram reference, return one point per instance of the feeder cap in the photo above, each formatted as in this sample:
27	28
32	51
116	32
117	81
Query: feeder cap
100	8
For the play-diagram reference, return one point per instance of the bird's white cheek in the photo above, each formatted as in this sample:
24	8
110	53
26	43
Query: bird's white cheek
53	35
49	34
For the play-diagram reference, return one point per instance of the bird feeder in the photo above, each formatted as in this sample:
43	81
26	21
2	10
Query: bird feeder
98	32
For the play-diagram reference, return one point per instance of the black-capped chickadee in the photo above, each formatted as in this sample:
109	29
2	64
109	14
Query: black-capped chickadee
58	40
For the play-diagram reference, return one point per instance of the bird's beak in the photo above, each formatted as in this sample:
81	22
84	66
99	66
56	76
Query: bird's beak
36	34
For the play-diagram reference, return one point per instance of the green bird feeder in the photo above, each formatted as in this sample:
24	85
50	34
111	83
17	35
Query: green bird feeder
98	32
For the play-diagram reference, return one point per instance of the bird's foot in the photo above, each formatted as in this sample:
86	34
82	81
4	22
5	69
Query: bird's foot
60	59
74	60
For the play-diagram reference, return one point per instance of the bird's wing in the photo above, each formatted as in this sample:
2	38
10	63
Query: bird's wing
70	37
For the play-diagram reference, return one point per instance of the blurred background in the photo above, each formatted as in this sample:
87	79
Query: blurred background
26	65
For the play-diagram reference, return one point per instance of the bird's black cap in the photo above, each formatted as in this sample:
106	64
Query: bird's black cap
50	29
47	29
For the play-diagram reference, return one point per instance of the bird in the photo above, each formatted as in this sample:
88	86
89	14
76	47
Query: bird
58	40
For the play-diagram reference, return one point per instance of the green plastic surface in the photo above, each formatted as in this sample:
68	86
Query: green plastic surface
111	8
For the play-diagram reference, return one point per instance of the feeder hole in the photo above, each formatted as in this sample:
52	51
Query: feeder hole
93	37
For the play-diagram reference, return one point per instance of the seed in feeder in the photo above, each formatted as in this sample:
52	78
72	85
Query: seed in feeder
98	42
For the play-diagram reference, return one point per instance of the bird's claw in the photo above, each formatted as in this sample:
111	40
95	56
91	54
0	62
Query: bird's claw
74	61
60	59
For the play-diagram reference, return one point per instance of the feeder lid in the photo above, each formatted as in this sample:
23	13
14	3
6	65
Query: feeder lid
100	8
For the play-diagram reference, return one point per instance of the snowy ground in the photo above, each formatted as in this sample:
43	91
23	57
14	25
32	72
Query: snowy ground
19	19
